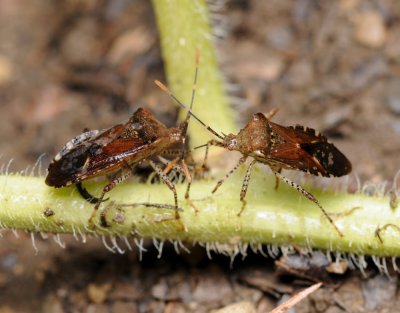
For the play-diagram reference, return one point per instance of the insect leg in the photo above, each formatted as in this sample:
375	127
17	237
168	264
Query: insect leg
271	113
277	170
184	170
86	195
245	185
207	145
240	162
173	164
125	173
170	166
168	182
200	170
204	165
309	196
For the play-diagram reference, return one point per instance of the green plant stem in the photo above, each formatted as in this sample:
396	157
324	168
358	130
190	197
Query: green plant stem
280	217
184	26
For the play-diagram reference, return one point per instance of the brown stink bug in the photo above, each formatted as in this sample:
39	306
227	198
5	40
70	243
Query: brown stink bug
117	150
279	147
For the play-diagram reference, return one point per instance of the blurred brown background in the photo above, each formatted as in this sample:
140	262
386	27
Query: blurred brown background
67	65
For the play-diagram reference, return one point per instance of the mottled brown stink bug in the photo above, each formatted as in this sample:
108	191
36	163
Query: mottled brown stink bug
279	147
117	150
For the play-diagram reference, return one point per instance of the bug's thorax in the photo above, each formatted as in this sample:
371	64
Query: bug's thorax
147	126
176	134
253	138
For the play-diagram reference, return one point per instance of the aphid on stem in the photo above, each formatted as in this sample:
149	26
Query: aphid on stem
115	152
279	147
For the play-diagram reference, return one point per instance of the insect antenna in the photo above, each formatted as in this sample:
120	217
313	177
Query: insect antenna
190	112
194	88
185	123
201	146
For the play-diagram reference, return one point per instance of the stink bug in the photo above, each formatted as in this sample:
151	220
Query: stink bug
117	150
279	147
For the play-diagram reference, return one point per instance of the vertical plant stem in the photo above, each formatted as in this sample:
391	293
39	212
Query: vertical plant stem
184	26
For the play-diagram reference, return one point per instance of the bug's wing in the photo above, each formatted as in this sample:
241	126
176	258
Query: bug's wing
121	152
71	162
76	141
62	172
91	159
304	149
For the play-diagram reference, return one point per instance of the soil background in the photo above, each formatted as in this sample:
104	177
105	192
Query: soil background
70	65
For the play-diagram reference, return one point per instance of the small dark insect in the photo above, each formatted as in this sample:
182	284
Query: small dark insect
48	212
117	150
279	147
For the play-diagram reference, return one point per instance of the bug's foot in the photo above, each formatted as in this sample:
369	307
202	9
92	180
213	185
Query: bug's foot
242	208
176	218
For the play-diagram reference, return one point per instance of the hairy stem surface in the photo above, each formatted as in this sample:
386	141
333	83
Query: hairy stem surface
183	27
280	217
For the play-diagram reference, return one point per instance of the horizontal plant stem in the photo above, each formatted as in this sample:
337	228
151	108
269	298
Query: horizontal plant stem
280	217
